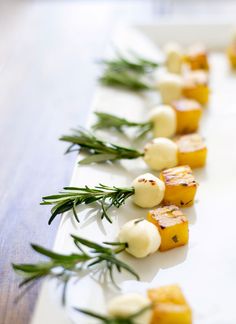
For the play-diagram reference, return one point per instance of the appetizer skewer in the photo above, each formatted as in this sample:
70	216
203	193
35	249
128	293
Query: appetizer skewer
166	228
132	74
147	191
164	121
177	186
139	238
195	58
160	153
163	305
65	267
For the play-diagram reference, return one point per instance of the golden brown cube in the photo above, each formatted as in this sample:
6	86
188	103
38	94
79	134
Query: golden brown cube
231	53
172	226
180	186
197	58
192	150
170	306
195	86
188	114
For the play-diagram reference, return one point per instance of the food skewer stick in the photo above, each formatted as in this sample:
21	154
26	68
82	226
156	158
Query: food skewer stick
138	237
177	187
182	117
64	267
158	154
166	305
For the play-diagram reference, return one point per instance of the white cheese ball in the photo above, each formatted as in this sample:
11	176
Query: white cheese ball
161	153
148	190
141	236
129	304
164	121
170	87
174	57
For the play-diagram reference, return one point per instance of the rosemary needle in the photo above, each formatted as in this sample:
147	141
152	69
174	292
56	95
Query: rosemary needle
115	320
137	64
124	79
64	267
74	196
105	120
98	150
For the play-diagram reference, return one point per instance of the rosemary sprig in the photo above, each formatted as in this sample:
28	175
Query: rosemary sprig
105	120
137	64
65	267
74	196
98	150
123	79
115	320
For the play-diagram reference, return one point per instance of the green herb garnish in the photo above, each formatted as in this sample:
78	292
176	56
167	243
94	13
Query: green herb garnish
114	320
65	267
136	64
75	196
105	120
98	150
124	79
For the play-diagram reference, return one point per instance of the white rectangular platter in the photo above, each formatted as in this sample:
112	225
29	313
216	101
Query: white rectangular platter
206	268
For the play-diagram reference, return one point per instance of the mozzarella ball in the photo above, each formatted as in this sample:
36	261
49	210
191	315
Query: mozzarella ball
170	87
164	121
141	236
174	57
129	304
148	191
161	153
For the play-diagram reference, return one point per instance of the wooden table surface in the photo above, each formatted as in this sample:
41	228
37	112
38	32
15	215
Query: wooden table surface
47	79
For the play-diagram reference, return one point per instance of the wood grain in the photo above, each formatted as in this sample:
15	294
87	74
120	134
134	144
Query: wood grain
47	73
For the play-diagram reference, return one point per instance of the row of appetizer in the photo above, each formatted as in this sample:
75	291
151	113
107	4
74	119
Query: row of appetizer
175	149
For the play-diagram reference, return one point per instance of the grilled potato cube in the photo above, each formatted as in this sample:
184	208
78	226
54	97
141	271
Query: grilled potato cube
172	226
231	53
197	58
167	294
195	86
170	306
192	150
180	186
188	114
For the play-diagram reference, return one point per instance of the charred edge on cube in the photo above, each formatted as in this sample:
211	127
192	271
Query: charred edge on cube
175	239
